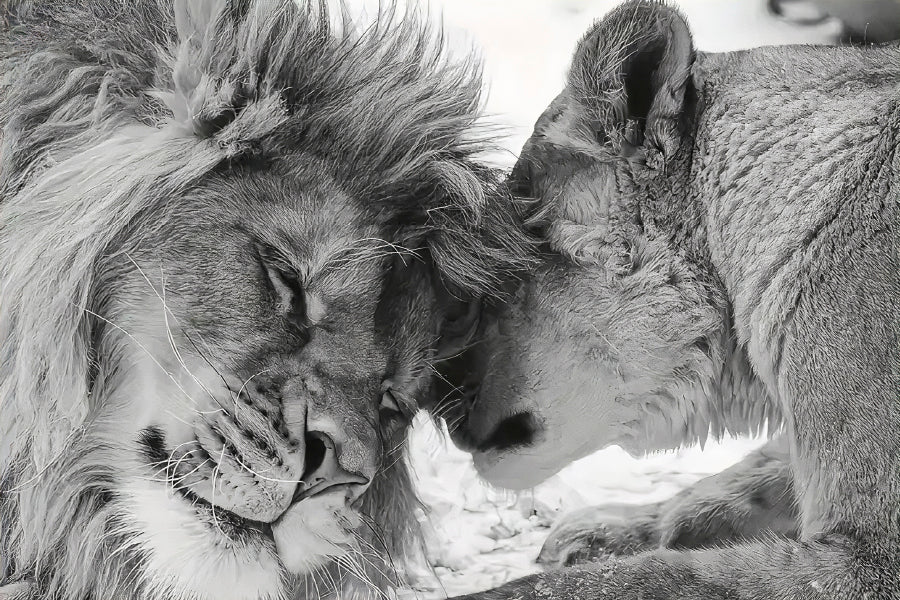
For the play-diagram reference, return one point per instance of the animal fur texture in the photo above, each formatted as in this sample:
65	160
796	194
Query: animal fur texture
229	231
720	254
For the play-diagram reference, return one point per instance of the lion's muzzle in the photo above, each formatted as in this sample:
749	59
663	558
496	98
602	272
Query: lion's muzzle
257	458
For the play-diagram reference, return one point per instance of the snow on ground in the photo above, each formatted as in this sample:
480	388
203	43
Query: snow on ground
481	537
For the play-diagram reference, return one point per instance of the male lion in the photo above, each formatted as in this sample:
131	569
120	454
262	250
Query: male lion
720	252
227	232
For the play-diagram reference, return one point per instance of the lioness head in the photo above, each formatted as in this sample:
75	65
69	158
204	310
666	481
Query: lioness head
229	233
617	337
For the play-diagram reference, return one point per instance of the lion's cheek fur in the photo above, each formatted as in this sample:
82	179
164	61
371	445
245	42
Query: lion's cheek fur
187	557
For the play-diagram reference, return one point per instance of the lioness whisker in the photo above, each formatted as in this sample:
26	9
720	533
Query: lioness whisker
447	357
350	261
439	375
453	424
445	405
357	254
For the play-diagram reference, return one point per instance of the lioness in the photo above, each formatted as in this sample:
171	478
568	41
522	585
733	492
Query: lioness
720	252
229	231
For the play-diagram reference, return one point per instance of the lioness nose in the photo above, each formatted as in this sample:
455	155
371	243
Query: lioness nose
323	471
512	432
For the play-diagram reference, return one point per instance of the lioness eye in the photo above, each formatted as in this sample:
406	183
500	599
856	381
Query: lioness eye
459	327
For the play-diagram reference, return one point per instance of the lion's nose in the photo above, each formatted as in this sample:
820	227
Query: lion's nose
323	470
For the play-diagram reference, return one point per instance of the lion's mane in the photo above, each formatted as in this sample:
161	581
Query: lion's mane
108	111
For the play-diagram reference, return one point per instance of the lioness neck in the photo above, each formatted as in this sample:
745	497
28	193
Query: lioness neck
790	144
781	145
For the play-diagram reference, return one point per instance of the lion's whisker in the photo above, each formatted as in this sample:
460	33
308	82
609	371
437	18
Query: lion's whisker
212	500
249	379
261	476
203	356
139	345
390	465
397	448
329	579
359	571
167	314
378	533
377	556
177	417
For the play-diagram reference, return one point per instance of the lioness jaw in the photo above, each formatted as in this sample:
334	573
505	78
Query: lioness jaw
721	254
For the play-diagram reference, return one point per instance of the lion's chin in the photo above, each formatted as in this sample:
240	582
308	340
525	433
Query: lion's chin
191	554
313	530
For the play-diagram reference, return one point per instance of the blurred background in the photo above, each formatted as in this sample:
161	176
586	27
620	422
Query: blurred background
479	537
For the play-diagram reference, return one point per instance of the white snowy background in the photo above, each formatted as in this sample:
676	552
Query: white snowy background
479	537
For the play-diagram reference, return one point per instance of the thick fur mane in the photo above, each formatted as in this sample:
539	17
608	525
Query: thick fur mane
109	109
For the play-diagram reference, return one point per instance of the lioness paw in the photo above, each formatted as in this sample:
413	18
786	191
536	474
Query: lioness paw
599	532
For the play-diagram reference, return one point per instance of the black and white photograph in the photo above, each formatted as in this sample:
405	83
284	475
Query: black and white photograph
450	299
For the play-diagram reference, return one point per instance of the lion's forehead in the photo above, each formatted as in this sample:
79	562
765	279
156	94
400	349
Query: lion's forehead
346	262
327	236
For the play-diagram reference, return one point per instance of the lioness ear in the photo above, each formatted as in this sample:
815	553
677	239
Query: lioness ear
631	72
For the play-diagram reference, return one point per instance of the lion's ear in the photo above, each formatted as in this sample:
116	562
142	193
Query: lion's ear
631	72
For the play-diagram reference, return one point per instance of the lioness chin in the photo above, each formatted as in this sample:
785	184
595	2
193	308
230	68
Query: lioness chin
720	253
229	232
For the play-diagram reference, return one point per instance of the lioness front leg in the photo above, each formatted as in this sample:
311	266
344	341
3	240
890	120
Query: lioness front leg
774	569
743	501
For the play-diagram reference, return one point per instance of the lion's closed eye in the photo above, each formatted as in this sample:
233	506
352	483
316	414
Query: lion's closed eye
284	282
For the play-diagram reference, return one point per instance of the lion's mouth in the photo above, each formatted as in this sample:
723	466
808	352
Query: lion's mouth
152	442
223	519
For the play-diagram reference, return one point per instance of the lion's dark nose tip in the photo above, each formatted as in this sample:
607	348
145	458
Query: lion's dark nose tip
322	471
512	432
